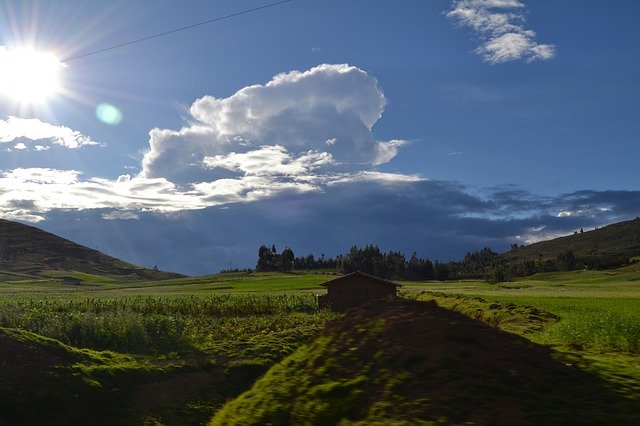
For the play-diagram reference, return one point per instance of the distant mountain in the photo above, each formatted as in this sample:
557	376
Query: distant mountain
31	252
620	239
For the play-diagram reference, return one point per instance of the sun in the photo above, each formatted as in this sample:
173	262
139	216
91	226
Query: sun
28	76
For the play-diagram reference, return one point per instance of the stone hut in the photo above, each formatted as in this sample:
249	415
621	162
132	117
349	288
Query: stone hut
355	289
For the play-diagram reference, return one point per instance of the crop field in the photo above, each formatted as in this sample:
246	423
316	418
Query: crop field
137	336
229	325
134	334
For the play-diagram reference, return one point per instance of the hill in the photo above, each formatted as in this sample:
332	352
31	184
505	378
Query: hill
620	239
409	362
26	251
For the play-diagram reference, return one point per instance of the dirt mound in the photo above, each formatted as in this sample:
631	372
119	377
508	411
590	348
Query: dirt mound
41	383
33	384
407	361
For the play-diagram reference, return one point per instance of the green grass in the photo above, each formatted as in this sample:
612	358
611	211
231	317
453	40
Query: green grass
84	277
290	393
257	316
598	320
218	333
597	310
143	329
205	285
252	325
418	365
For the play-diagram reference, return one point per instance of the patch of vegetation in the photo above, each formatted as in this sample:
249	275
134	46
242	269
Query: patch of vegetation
174	351
184	355
595	323
519	319
409	362
614	241
80	276
263	326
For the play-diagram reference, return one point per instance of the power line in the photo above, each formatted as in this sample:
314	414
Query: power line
243	12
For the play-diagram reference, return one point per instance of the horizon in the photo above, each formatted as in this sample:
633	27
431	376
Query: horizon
436	127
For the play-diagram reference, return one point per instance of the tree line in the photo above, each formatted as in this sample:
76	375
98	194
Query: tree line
482	264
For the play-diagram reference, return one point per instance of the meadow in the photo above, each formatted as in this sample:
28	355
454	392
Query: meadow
594	321
241	324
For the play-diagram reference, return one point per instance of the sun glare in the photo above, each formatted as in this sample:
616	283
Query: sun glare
28	76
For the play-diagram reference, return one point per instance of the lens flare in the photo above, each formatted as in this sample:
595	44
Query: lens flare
109	114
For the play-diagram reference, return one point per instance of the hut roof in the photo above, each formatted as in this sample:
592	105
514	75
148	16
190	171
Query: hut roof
345	279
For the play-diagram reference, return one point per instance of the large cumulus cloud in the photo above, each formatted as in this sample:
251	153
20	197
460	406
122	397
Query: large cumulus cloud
320	117
300	132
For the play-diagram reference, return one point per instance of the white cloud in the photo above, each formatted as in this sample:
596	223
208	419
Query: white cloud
39	190
120	215
20	146
248	189
386	151
537	234
500	26
377	177
13	128
269	160
29	194
328	110
301	132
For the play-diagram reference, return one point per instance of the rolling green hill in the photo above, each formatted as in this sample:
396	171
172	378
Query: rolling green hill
618	239
26	251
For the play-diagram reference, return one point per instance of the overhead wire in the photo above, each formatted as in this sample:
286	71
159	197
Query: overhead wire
209	21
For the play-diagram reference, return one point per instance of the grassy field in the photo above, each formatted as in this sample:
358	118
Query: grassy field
596	310
144	334
597	319
217	334
94	286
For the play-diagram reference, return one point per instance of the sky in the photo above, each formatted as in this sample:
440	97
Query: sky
437	126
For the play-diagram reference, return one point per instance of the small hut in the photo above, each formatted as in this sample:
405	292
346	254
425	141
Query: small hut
355	289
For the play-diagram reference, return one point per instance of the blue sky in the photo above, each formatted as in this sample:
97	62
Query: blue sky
435	126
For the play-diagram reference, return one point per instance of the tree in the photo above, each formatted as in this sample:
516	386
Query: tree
566	261
286	260
266	259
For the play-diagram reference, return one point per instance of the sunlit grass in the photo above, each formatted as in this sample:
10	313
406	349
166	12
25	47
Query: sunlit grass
250	325
598	320
213	284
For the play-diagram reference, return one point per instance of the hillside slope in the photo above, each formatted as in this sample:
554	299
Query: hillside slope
29	251
408	362
618	239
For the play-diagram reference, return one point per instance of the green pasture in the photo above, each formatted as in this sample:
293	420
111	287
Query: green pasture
596	309
591	317
597	315
95	286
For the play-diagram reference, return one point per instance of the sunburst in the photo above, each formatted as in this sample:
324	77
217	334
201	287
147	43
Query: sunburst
28	76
